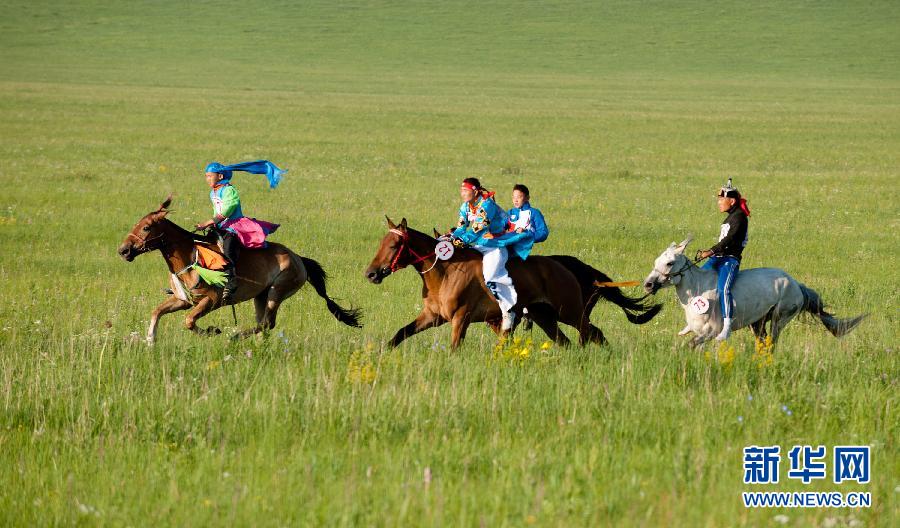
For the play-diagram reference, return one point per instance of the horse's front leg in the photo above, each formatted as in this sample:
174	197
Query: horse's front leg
172	304
460	323
425	320
697	341
206	305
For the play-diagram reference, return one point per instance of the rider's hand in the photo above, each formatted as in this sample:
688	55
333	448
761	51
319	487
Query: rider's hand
205	225
520	230
704	254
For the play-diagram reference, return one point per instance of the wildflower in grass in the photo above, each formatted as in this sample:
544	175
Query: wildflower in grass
546	345
740	419
360	368
517	351
782	519
725	354
212	365
763	356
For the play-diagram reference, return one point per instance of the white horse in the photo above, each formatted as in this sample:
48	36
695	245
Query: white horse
761	295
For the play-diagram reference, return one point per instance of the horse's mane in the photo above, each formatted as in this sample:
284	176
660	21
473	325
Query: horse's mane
189	235
470	251
429	237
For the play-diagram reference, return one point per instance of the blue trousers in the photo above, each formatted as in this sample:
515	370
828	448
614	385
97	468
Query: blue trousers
727	268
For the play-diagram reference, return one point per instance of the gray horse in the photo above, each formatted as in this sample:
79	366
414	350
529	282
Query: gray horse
761	295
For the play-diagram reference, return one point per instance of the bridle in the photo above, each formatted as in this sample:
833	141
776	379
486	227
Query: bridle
404	246
145	241
680	272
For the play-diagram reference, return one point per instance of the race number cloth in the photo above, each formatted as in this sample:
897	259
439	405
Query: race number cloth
444	250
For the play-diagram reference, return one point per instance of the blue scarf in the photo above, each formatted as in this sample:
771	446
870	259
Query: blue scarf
273	173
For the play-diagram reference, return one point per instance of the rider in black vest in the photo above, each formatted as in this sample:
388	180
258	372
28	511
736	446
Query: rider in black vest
725	256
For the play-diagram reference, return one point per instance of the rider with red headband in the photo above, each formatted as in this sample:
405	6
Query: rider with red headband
481	219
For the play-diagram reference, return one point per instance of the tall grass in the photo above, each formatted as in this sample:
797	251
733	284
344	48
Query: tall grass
622	119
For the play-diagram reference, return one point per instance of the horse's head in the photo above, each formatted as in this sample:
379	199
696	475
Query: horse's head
668	267
392	254
147	234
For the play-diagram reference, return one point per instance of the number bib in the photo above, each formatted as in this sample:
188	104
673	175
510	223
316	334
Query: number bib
699	305
443	250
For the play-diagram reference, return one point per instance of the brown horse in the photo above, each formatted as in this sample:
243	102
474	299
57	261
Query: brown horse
268	276
454	290
637	309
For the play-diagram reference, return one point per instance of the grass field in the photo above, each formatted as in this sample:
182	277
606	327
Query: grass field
623	118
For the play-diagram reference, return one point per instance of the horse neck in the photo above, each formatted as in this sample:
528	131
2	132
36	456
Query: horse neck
694	281
424	245
179	247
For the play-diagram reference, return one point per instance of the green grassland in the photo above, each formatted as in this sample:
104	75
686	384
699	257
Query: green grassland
622	117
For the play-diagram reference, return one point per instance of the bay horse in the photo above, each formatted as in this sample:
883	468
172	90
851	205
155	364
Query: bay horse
761	296
636	309
454	290
268	276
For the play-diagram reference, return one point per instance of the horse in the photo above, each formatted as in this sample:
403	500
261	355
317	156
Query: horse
635	308
268	276
761	296
454	290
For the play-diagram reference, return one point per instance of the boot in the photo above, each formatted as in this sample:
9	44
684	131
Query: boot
230	285
509	318
726	330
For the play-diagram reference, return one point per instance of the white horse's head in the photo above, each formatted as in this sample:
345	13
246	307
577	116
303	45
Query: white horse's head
668	267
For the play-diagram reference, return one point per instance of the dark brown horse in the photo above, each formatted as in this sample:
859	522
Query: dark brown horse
454	290
268	276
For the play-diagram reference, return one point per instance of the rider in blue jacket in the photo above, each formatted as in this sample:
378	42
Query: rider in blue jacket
480	221
526	223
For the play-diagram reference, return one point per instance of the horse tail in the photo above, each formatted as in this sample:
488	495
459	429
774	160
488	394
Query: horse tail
637	309
813	304
317	277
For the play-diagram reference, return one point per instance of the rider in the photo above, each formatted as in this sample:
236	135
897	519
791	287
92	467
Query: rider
725	256
480	220
523	218
235	229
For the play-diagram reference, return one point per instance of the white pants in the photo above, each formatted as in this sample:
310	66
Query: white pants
495	276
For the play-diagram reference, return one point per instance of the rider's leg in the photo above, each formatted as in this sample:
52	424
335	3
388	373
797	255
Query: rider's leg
727	271
500	283
230	247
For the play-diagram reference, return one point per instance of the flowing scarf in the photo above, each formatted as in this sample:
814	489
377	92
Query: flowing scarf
272	172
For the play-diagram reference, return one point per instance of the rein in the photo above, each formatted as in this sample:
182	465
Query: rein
404	238
680	272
